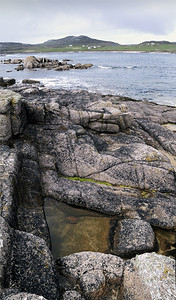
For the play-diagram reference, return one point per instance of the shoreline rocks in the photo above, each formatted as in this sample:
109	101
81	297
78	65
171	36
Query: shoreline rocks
30	81
32	62
96	152
7	82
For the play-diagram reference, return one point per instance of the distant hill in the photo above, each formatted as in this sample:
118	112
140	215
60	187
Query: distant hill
157	43
81	40
85	43
9	46
69	41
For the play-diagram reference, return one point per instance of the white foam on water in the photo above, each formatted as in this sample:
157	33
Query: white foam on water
104	67
130	67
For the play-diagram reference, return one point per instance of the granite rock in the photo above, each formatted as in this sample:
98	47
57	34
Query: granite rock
32	266
72	295
24	296
133	237
105	153
149	276
12	114
5	253
98	275
9	167
31	62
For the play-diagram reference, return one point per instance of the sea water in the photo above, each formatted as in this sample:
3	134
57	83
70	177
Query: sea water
141	76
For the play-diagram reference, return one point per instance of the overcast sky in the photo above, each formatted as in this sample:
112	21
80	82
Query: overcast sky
122	21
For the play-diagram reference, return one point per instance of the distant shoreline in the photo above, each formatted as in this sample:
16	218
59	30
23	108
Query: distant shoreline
84	44
87	51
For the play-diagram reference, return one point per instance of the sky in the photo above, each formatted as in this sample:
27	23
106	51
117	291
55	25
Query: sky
121	21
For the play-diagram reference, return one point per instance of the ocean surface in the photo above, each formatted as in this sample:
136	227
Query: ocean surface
142	76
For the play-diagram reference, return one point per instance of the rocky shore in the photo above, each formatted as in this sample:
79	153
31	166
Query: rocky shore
108	154
32	62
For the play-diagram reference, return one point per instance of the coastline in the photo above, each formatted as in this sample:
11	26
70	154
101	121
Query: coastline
101	154
141	76
85	51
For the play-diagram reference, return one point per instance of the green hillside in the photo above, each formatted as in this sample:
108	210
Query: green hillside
84	43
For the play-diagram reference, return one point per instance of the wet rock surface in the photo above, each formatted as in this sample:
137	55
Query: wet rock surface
109	154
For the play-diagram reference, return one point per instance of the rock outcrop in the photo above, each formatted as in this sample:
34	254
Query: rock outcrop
109	154
32	62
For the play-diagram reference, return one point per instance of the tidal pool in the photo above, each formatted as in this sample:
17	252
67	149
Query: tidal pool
75	230
166	242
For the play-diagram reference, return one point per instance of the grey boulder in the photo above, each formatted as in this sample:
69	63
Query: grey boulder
98	275
149	276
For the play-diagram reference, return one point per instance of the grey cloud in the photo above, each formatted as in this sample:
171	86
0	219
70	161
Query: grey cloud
25	20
